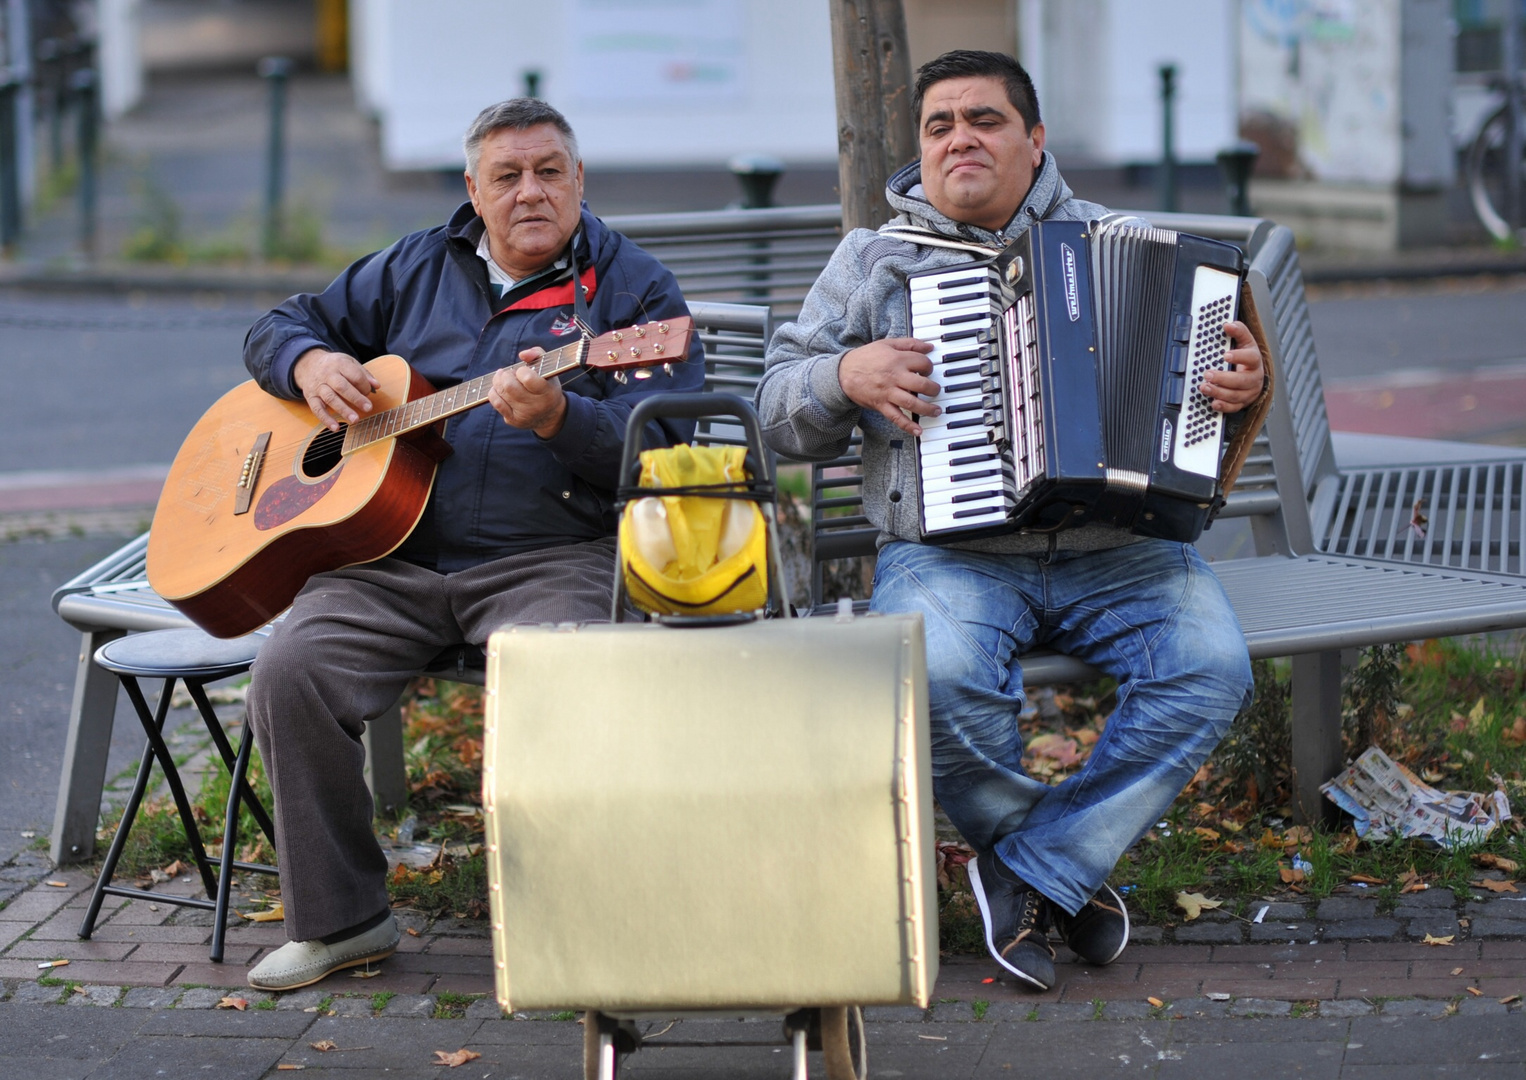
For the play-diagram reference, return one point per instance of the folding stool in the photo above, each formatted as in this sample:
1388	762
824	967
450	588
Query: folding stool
194	658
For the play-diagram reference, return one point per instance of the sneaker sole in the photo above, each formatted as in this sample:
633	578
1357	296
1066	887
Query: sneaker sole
1125	909
985	917
373	958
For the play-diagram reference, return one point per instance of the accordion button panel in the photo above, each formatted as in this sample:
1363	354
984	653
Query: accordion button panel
964	480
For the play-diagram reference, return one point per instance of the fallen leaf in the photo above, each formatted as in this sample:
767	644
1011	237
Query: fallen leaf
1410	881
81	990
275	914
234	1003
1475	991
325	1046
1457	971
1211	835
460	1057
1367	879
1494	886
1194	904
1290	875
1057	748
412	932
1511	1000
176	868
1269	840
1431	939
1155	1002
371	974
1498	862
1476	716
1297	835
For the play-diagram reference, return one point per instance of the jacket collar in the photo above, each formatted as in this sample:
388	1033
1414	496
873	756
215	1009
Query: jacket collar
905	194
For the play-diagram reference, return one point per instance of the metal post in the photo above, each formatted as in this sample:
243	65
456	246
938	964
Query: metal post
50	59
1236	162
532	83
1167	178
1510	61
10	163
1316	733
757	174
83	83
276	69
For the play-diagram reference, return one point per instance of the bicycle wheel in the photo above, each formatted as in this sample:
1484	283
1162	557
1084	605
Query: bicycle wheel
1486	175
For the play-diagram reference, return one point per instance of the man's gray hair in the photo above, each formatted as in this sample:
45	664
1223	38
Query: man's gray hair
516	114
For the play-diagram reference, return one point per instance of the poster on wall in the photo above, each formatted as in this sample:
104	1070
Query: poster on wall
667	51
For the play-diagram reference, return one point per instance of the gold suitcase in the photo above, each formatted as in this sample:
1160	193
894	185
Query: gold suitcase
733	817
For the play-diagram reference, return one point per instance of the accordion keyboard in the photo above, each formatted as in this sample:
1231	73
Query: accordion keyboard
966	482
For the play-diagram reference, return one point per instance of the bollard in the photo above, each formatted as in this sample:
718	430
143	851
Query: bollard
1166	180
532	83
1236	162
757	174
10	164
276	69
1515	116
84	85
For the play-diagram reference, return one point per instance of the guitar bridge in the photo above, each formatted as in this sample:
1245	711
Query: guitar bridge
249	475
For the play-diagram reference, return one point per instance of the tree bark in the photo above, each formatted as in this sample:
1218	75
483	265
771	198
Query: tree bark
876	133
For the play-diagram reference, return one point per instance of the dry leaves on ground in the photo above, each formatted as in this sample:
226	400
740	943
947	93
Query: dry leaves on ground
324	1046
459	1057
1194	904
1431	939
1411	881
1497	862
275	914
234	1003
1494	886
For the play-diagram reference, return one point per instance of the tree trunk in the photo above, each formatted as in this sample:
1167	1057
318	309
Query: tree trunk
876	133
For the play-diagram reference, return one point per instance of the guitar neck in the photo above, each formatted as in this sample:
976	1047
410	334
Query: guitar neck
421	412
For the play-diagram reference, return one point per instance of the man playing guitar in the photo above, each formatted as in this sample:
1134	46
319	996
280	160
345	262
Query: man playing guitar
518	528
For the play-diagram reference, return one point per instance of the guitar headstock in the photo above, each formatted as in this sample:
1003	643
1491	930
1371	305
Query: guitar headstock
664	341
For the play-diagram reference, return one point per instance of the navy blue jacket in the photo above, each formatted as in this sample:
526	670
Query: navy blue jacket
427	299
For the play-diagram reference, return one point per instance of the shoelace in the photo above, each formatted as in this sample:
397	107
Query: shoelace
1030	923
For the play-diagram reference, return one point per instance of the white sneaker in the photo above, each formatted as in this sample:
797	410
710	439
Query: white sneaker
301	963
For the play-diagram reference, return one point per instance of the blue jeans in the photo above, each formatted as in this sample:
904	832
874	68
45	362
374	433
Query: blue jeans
1150	614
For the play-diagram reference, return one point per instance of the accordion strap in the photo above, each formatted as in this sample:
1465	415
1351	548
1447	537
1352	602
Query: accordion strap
915	234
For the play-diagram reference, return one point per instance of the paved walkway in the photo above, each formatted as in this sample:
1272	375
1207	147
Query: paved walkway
1328	989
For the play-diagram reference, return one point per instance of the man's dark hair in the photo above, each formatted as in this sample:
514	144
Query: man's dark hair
516	114
977	63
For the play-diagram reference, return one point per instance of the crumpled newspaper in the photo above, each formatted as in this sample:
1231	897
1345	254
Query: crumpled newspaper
1386	799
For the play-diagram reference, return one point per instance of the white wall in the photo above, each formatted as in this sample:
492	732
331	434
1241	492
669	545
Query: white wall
704	79
1095	65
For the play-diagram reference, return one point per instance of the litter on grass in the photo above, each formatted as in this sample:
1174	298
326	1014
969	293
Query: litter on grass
1386	799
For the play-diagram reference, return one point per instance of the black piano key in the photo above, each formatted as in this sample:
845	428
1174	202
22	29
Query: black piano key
954	373
975	422
960	478
965	406
967	444
980	511
960	335
964	299
959	388
968	316
955	357
971	496
959	283
971	459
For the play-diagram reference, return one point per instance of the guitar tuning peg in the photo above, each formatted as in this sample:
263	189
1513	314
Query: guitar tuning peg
667	369
644	373
662	328
641	331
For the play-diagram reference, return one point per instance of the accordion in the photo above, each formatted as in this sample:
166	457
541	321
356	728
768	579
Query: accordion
1068	368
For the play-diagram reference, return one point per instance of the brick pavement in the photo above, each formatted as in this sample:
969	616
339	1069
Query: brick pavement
144	994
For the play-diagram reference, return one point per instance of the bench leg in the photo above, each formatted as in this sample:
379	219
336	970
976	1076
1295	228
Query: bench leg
1316	733
91	715
385	774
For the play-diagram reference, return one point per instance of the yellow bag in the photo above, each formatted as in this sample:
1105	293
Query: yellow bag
694	554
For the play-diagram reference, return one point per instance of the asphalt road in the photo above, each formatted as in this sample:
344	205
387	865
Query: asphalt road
108	382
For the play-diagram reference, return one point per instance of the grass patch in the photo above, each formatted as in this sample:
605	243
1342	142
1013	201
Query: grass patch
450	1006
980	1008
380	998
268	1005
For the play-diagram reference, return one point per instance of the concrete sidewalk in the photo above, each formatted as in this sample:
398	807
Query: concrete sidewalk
1329	989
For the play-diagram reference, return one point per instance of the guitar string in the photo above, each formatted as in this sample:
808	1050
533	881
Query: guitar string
325	441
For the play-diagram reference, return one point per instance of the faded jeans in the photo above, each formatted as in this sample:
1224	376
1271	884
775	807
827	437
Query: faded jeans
1150	614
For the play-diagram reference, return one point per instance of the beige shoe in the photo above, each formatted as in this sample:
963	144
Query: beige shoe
301	963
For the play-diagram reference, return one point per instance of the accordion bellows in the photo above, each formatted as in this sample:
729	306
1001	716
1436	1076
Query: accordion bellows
730	817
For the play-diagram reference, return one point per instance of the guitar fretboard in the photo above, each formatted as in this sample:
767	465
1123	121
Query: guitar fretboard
421	412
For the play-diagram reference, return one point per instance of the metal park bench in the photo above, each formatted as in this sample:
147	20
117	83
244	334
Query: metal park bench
1317	557
113	597
1320	558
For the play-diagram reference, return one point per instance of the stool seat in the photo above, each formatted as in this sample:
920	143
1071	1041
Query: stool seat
186	653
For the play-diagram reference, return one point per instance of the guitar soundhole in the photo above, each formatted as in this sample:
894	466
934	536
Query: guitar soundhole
323	453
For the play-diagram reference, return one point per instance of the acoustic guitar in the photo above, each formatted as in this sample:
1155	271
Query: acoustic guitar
261	496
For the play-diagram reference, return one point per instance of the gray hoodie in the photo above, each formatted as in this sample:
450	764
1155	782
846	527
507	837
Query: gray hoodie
861	297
